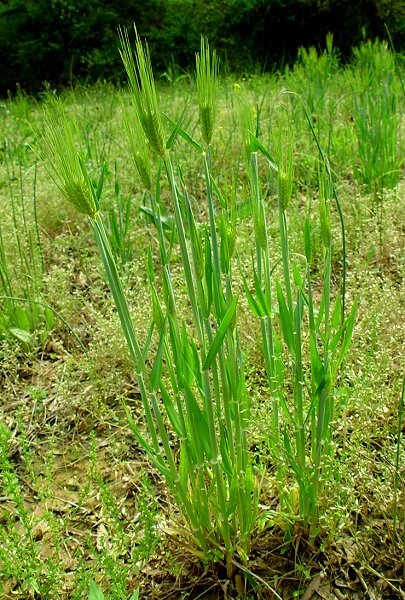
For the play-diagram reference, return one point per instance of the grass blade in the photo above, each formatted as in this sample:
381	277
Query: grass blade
219	336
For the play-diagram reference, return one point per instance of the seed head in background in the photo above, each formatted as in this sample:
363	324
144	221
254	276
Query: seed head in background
248	123
284	153
207	65
141	82
58	146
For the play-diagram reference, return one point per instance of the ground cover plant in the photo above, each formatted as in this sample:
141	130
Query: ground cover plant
215	408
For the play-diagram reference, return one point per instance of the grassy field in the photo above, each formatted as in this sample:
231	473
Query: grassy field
228	421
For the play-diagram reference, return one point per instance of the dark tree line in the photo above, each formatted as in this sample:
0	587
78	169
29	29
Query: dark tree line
60	41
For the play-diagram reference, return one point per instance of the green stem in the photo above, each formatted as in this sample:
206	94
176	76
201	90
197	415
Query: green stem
183	246
149	400
285	257
213	234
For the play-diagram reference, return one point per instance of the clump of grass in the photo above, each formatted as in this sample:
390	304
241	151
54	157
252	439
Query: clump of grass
376	124
204	398
301	430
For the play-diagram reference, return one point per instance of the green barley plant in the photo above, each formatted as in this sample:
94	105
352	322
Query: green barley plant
314	79
373	61
312	75
200	396
215	403
190	369
312	338
378	137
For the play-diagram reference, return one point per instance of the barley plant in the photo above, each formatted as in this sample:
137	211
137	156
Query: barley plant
200	396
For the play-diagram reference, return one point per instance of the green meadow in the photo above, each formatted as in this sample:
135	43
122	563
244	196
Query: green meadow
202	333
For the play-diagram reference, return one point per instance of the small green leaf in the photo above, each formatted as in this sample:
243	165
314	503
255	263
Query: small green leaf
347	336
187	356
184	134
176	129
148	340
159	464
149	267
183	466
337	311
157	366
22	335
220	334
251	300
95	593
286	321
318	371
257	145
223	446
336	338
297	276
261	298
218	192
170	410
200	426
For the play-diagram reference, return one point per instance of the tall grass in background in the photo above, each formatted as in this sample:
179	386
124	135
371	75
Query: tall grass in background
23	313
377	99
313	78
190	369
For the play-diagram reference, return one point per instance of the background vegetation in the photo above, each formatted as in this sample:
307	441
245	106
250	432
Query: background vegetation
61	41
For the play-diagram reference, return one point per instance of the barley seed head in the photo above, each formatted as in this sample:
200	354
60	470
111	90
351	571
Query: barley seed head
207	88
142	85
284	153
247	117
60	146
137	144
